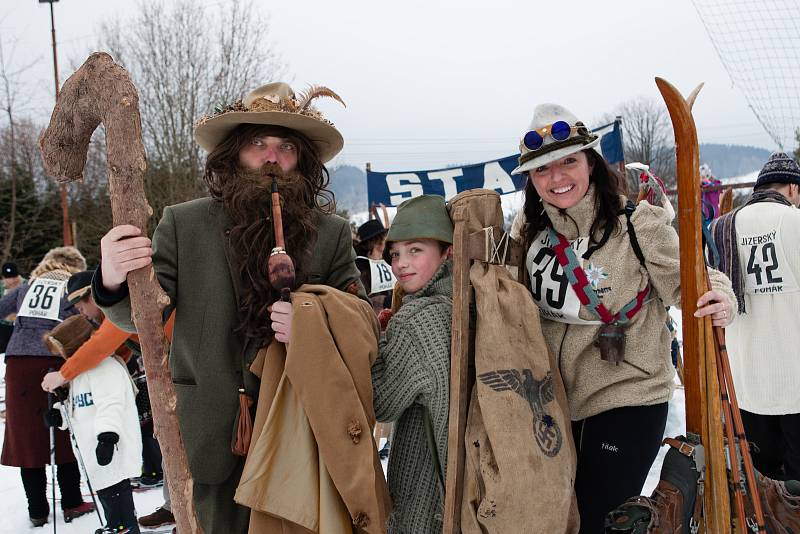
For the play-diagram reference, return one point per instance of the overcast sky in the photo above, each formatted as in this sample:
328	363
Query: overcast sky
432	83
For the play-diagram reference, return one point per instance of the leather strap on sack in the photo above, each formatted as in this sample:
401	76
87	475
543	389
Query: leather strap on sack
244	425
695	453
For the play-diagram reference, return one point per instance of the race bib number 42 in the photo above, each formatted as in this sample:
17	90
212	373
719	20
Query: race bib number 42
43	299
765	264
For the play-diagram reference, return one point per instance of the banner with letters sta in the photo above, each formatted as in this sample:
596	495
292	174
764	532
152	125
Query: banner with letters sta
392	188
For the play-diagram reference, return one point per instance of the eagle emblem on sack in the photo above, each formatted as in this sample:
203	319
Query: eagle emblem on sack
537	393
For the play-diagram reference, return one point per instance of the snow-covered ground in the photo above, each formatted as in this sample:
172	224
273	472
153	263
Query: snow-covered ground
13	505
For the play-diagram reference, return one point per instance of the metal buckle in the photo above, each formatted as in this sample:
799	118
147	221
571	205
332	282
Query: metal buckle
686	449
694	525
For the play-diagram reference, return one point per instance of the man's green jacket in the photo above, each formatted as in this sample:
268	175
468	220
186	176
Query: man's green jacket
209	357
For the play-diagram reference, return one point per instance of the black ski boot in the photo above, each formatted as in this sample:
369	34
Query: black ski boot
671	507
117	501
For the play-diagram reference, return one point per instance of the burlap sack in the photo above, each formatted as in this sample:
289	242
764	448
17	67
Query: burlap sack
520	465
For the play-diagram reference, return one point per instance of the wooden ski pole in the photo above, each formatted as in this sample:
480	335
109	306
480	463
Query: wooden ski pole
738	427
736	478
101	91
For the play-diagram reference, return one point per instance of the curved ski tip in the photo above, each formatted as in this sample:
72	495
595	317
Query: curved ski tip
693	95
665	87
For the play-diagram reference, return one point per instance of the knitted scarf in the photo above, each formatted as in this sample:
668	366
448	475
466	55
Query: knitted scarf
726	240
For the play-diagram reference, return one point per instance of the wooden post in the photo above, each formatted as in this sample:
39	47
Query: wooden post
621	164
459	368
101	92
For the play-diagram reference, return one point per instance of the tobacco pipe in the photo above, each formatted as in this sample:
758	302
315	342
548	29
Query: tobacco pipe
280	266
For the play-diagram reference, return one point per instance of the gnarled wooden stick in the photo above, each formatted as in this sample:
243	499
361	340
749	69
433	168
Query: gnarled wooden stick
102	92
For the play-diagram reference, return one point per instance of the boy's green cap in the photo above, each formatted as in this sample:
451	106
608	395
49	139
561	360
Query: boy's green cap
422	217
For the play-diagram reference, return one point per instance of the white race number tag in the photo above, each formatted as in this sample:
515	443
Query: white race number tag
550	286
381	276
765	264
43	299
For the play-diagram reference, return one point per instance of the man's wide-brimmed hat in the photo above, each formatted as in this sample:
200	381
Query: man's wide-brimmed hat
544	116
274	104
422	217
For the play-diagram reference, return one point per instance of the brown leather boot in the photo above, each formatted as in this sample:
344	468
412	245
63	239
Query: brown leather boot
159	518
781	504
670	508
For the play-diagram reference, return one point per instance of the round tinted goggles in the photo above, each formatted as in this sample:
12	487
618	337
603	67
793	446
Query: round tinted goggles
559	131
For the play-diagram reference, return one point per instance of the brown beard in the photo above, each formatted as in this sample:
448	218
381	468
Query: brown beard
247	199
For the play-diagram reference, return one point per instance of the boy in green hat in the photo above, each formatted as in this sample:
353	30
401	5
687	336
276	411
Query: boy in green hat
411	376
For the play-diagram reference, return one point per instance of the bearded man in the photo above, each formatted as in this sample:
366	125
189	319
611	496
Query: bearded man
211	256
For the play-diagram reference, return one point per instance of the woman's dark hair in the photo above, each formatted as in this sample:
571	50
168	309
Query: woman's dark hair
223	162
608	186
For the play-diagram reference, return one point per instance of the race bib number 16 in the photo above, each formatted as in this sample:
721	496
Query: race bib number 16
43	299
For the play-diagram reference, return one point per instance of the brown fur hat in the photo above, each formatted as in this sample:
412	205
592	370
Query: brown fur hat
67	259
68	336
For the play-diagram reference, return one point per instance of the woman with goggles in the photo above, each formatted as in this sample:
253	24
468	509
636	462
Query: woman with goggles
602	271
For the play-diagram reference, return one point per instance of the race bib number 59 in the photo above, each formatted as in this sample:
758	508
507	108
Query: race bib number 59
43	299
549	284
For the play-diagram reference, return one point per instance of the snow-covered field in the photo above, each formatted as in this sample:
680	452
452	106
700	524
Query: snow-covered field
13	505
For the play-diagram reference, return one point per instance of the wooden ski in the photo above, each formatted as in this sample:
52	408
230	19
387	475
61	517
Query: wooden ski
101	91
701	378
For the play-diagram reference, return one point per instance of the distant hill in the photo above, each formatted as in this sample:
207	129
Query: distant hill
728	161
349	183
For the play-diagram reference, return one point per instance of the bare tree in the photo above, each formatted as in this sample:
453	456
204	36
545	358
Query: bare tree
19	197
185	61
647	136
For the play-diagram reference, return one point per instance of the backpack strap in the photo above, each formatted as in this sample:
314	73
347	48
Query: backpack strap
628	210
630	207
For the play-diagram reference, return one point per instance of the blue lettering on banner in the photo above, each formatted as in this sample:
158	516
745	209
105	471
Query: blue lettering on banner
83	400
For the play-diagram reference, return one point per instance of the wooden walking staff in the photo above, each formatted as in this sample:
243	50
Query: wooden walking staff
101	92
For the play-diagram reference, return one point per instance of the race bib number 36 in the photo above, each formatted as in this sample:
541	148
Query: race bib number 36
765	264
43	299
550	286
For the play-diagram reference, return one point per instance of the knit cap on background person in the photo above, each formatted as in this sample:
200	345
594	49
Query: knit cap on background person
780	168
